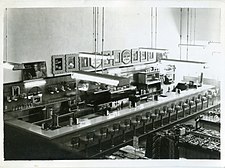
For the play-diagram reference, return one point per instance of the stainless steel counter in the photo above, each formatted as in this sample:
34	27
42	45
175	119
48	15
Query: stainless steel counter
86	123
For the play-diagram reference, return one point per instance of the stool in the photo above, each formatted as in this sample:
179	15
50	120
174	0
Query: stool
204	101
102	133
181	108
165	109
177	108
148	115
144	120
184	106
157	111
134	122
197	107
75	142
191	104
153	117
209	97
161	113
113	131
124	126
172	106
214	95
169	111
88	139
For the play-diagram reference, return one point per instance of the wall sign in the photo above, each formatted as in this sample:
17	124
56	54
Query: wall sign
95	63
71	62
135	55
107	62
151	56
58	64
143	55
126	56
117	57
84	63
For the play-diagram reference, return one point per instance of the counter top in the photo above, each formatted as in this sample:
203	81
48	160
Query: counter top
85	123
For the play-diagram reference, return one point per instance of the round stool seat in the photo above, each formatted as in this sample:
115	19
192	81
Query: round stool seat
191	103
75	141
204	98
102	132
169	110
185	105
162	113
144	118
197	100
125	124
114	128
177	107
153	116
209	96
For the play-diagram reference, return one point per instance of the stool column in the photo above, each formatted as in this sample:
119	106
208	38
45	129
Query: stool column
153	117
169	111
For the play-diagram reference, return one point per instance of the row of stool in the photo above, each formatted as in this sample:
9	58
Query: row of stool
141	121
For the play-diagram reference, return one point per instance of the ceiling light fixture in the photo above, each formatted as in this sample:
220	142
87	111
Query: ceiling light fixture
30	84
95	77
191	45
155	50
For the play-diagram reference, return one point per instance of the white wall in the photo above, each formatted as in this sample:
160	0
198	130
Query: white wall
36	34
127	28
168	31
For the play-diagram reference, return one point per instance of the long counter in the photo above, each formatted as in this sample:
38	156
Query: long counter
87	123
